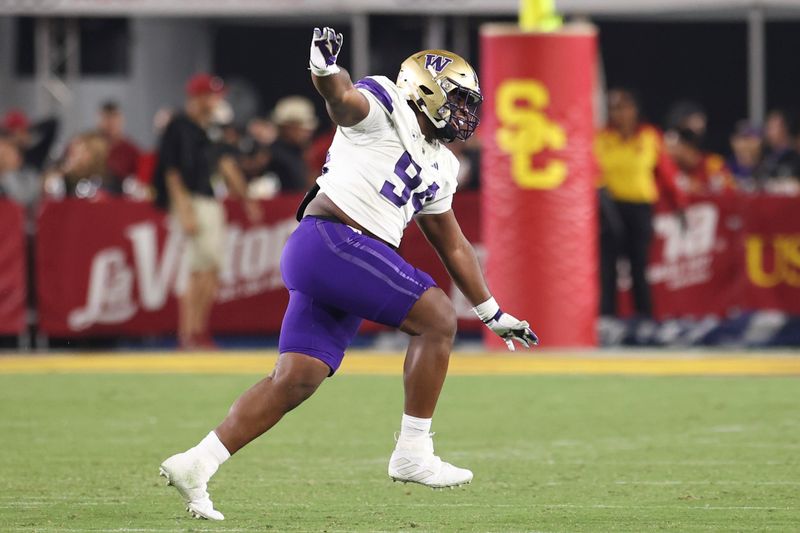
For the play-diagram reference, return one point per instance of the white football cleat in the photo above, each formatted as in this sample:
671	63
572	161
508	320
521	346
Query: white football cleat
413	461
190	476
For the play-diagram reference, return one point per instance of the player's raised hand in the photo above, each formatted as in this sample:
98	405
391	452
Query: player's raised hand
511	329
325	47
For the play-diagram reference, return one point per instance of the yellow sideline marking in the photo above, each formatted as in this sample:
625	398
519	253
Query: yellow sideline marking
375	363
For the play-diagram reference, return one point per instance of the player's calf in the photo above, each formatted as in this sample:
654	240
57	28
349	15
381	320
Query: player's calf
295	378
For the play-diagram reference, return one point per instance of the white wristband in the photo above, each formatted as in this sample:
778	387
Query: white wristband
487	310
321	72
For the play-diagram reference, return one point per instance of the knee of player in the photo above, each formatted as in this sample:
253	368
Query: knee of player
451	323
295	389
446	321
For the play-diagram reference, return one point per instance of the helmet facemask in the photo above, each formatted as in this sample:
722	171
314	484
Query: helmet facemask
460	112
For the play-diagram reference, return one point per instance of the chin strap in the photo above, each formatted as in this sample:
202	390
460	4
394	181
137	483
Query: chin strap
437	122
444	131
414	97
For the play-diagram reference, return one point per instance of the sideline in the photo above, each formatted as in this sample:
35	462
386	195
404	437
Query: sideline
381	363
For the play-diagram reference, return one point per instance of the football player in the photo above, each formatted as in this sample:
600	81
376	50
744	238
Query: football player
388	163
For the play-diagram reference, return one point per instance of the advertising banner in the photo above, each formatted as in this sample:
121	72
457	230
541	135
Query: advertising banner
13	269
115	267
771	256
696	266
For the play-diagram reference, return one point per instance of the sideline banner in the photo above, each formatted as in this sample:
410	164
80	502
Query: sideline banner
539	189
736	253
771	256
696	270
13	277
114	268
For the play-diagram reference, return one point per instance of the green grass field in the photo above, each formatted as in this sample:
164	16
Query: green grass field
81	453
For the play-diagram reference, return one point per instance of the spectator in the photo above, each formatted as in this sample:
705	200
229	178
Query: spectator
745	154
83	172
700	172
781	161
262	131
633	167
17	182
296	121
161	119
123	154
230	136
186	162
317	153
255	158
226	138
689	115
35	141
223	131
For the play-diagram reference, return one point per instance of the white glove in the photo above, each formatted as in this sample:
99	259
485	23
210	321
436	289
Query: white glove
505	326
325	47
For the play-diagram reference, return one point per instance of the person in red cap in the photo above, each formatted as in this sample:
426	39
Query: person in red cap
187	160
35	141
16	121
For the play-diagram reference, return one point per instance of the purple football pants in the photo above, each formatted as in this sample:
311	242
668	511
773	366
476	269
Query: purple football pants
336	277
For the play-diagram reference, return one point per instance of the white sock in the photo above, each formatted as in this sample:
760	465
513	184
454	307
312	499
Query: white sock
212	450
412	427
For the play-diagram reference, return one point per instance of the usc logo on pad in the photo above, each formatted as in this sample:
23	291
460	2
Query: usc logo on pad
784	266
526	130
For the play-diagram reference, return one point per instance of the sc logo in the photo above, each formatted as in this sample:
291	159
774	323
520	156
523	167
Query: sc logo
784	260
525	130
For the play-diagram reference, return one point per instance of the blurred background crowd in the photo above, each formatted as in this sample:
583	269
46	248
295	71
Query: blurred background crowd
283	151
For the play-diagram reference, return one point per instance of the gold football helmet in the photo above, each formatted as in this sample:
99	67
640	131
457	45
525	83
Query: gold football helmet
445	88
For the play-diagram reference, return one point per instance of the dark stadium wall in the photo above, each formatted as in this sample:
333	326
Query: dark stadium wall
667	62
783	69
272	58
664	61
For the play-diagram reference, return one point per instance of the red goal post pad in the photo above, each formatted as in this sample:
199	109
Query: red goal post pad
538	196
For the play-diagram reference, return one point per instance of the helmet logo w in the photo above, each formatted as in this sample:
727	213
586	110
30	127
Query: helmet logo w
439	63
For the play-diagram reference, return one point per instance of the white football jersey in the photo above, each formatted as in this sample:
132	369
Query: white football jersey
381	172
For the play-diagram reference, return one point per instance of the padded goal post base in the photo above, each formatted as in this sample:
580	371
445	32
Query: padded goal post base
538	196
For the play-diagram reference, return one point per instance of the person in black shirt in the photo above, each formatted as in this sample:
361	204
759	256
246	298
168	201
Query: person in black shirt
187	160
296	121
